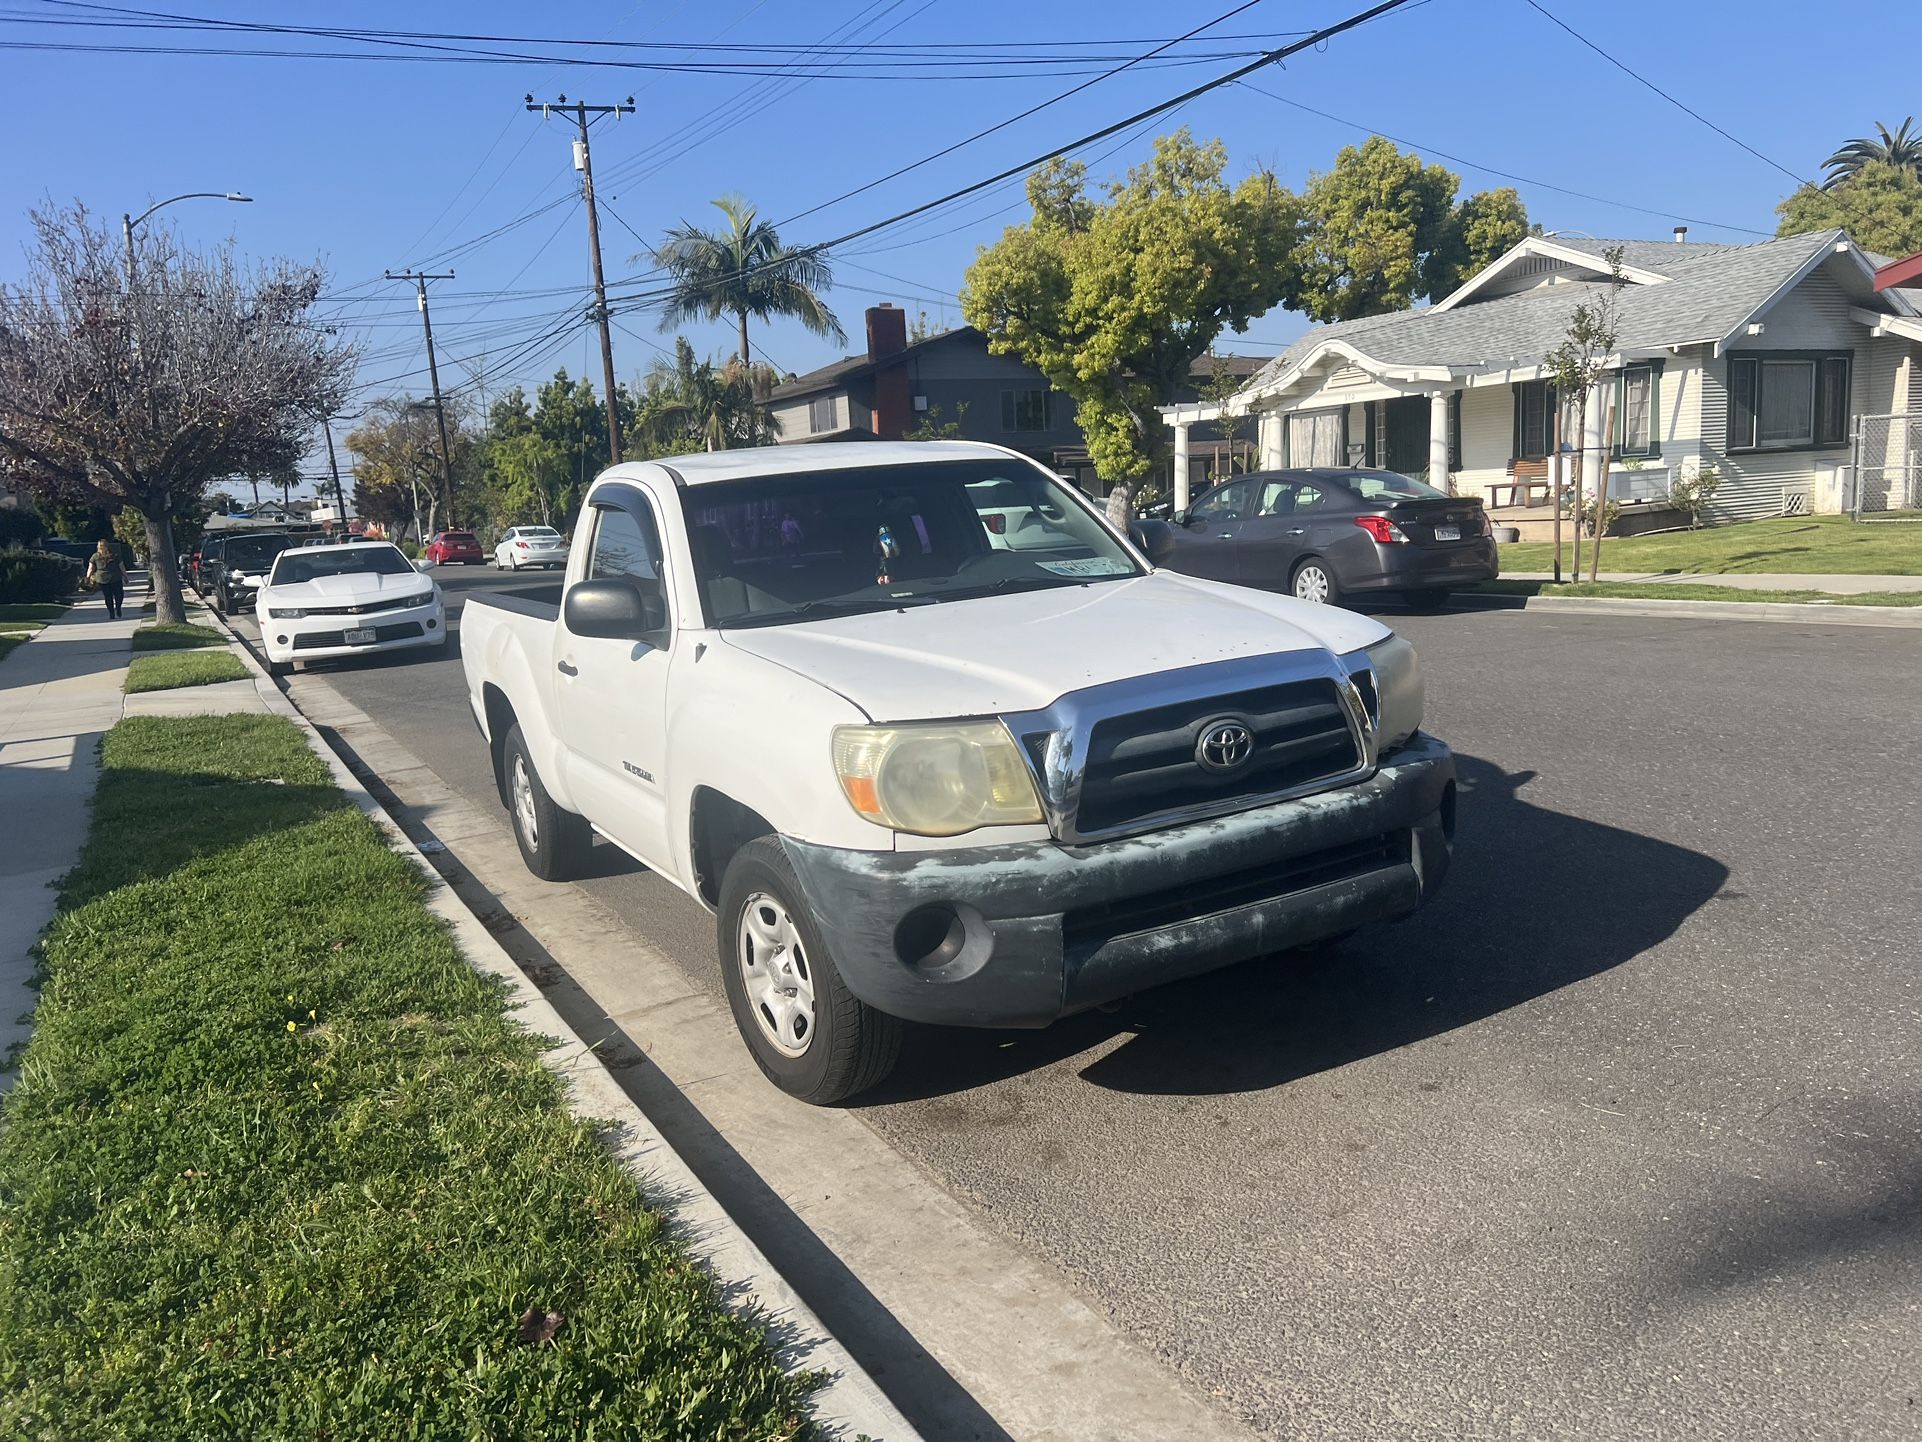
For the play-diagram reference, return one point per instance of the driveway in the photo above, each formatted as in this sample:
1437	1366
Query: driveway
1620	1138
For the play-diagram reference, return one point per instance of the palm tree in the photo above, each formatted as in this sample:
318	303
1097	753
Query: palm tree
1902	150
744	270
693	403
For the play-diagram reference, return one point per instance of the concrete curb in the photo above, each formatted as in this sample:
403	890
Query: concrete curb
1894	617
849	1404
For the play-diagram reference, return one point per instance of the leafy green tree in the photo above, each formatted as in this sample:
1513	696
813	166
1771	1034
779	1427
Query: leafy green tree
1112	299
527	477
1384	230
1901	149
932	428
693	405
1880	205
743	270
396	451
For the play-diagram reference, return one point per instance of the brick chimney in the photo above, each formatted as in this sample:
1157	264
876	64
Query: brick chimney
888	336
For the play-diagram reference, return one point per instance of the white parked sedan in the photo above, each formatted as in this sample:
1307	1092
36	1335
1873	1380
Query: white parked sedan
525	546
345	600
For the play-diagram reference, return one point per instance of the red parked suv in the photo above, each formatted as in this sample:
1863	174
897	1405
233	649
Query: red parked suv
451	547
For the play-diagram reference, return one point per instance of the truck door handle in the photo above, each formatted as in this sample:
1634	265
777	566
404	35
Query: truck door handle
565	669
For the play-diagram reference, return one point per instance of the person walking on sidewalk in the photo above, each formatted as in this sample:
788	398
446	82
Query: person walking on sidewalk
107	572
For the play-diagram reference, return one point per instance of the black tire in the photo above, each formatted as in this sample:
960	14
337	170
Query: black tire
1429	600
849	1046
279	668
1332	594
557	848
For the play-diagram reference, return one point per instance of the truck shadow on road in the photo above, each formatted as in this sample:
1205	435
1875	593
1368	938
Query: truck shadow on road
1536	900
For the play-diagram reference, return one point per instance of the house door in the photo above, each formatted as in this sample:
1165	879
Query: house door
1404	425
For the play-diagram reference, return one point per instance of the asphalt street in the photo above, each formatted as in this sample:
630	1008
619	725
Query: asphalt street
1620	1138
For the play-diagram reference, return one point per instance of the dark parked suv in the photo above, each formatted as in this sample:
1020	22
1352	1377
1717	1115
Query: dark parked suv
1322	534
231	568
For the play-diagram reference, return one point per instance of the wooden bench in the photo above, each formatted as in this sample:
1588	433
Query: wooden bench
1527	481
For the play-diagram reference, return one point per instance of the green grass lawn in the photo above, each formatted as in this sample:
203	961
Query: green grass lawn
1806	545
278	1166
175	636
182	668
35	611
1689	591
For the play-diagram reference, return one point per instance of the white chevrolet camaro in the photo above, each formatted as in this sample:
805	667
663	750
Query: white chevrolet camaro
325	601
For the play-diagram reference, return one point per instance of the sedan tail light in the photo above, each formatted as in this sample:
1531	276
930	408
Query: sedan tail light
1382	529
1488	526
520	545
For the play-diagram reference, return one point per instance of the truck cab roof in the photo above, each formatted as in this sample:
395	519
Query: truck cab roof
702	468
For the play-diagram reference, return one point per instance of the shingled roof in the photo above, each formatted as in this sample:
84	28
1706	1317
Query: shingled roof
1707	293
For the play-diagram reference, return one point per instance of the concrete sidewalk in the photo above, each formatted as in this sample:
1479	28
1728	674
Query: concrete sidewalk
59	693
1746	581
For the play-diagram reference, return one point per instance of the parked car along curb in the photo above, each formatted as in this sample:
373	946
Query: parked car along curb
848	1404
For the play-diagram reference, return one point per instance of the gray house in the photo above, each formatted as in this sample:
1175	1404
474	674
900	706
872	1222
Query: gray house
898	386
1762	361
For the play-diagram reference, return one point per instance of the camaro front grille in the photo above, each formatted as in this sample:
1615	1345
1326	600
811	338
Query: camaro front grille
393	631
388	603
1144	763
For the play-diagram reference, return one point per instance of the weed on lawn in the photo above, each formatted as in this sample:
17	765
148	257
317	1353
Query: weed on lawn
279	1167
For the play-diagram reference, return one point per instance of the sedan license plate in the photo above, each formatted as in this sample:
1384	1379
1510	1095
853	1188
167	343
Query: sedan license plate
359	638
1448	533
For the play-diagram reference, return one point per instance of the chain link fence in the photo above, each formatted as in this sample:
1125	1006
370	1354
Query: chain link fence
1886	463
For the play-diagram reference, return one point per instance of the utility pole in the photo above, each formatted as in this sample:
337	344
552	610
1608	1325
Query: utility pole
584	162
433	375
340	496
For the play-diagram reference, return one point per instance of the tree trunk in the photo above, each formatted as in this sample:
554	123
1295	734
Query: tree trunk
1555	483
1601	494
163	569
1118	511
1581	475
743	319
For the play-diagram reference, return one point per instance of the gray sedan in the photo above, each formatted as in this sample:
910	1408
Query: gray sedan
1322	534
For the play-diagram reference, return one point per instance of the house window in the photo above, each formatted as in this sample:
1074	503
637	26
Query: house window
1534	401
1024	410
820	415
1787	402
1638	411
1318	438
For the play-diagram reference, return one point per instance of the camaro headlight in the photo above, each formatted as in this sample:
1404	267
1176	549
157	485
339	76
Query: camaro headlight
935	780
1398	690
288	613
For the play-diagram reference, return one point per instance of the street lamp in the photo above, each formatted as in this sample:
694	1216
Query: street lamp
128	222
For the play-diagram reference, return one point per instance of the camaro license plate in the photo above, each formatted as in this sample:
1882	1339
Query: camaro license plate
359	638
1448	533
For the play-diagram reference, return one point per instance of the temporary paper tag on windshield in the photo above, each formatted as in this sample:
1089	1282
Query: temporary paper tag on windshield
1091	566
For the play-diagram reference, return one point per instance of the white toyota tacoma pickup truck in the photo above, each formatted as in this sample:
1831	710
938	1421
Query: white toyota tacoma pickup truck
935	743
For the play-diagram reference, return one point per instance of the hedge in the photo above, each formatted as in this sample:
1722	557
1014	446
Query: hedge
29	576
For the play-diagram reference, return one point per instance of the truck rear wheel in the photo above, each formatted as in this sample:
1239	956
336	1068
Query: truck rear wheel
810	1035
554	843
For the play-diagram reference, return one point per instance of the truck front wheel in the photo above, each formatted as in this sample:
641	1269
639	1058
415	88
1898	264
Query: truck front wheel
808	1033
554	843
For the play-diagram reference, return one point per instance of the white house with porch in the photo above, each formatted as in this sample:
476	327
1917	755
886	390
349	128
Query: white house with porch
1754	359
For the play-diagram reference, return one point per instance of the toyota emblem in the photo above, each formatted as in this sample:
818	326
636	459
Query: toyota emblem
1224	745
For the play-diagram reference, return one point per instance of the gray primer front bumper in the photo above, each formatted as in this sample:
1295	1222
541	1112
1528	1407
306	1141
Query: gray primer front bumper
1016	968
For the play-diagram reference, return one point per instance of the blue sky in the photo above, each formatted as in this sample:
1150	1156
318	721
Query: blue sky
373	164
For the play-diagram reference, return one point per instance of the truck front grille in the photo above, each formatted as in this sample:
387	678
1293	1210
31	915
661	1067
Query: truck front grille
1143	764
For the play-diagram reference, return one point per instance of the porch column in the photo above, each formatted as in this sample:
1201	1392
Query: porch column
1270	440
1181	465
1438	442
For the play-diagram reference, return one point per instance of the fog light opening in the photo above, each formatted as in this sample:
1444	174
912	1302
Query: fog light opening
929	937
432	624
280	640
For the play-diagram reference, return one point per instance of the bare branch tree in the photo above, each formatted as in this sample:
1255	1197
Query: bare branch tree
1575	368
140	396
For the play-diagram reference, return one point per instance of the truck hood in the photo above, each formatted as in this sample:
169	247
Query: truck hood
1023	651
352	589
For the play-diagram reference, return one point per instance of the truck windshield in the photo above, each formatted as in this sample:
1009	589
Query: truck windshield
775	549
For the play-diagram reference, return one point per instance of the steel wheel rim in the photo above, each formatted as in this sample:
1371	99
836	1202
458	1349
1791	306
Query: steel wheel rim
1311	584
525	816
776	974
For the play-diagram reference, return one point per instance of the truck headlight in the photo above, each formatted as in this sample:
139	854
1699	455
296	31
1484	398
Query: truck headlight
1398	690
935	780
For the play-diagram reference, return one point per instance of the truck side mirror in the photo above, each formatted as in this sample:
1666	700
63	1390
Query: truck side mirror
1154	539
619	608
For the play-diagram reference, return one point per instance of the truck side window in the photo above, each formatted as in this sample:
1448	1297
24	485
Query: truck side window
625	545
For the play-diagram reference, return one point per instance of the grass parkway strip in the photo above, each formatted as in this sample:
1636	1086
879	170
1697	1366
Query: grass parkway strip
164	672
278	1164
175	636
1690	591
